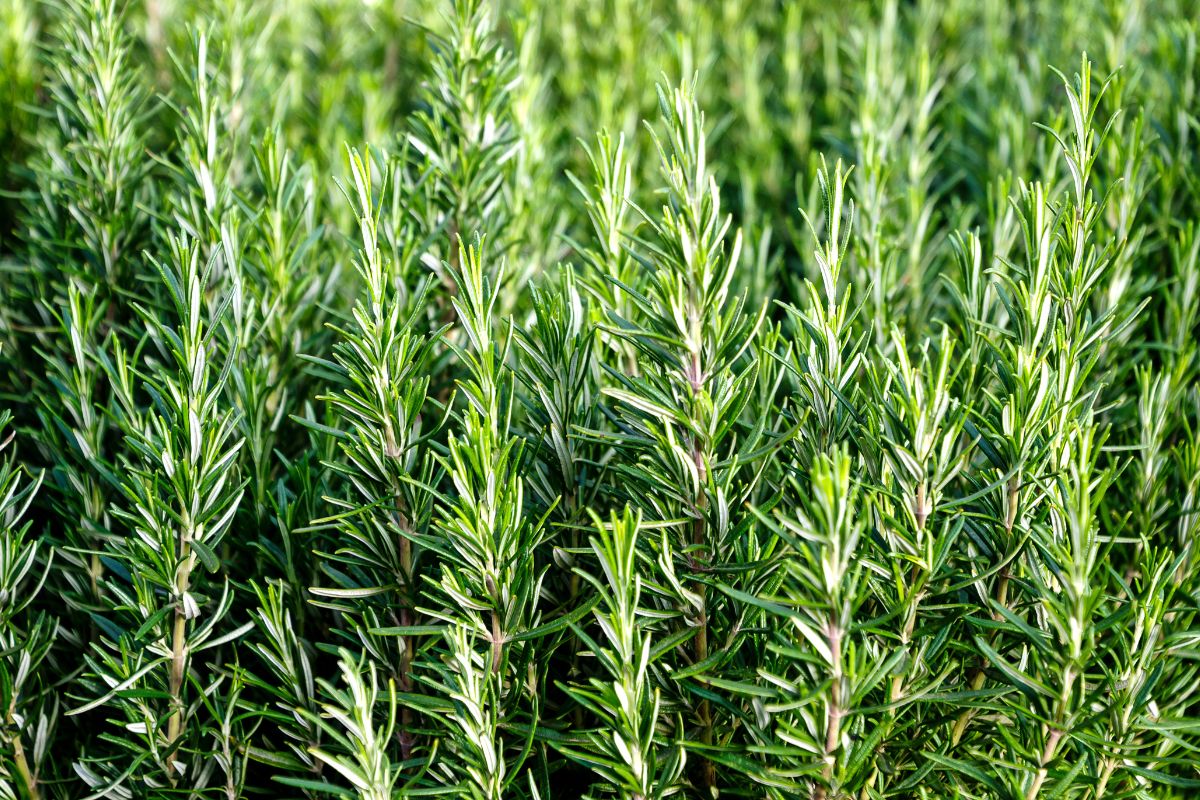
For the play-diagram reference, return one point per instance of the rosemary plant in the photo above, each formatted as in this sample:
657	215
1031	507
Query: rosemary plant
528	400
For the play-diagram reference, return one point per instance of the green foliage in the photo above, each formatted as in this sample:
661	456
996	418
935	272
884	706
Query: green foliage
515	399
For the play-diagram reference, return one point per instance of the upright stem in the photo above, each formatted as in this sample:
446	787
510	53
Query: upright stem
1111	762
833	715
1047	756
978	676
913	598
90	521
406	641
1054	737
20	761
905	637
178	650
178	661
1001	595
704	711
1014	488
694	373
920	509
573	593
95	571
497	642
1002	590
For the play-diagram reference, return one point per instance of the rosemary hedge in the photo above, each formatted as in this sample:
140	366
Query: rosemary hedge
599	398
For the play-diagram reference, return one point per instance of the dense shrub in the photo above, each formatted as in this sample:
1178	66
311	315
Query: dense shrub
375	427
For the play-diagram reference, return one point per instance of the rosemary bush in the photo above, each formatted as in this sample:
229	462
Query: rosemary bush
600	398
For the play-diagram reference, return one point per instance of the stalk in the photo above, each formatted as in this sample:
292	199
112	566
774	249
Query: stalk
1000	593
833	715
28	781
178	664
708	771
407	603
407	643
497	643
384	358
695	379
179	650
652	516
1110	762
181	492
910	622
1048	754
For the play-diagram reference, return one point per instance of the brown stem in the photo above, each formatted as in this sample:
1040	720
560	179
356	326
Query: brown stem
694	374
497	642
1002	592
833	721
833	715
446	313
920	509
708	771
407	643
178	650
571	504
832	732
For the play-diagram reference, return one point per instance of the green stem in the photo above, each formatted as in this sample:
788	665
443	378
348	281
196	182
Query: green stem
24	773
978	676
178	661
1048	754
1001	595
1111	761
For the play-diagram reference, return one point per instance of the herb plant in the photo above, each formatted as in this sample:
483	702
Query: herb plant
513	399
